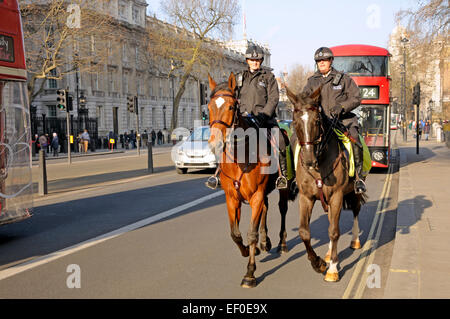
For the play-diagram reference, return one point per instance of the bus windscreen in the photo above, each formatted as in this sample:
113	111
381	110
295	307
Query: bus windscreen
362	65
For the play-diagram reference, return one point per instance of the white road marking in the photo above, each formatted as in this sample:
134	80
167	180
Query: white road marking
14	270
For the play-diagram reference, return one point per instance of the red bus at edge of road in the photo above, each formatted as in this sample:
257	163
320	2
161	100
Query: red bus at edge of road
16	192
369	68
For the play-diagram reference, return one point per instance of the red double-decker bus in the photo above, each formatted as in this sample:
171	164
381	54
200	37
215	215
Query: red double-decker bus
15	134
369	67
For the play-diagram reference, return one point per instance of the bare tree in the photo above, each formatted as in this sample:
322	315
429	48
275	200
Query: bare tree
62	37
298	76
186	47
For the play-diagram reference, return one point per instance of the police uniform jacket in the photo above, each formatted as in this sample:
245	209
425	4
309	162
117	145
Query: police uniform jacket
258	93
345	93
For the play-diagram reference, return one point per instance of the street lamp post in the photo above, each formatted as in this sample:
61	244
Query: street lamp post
404	40
164	116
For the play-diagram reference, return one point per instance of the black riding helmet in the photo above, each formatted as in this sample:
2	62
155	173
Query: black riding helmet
255	53
323	53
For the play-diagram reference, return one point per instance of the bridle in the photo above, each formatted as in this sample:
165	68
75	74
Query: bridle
319	138
234	118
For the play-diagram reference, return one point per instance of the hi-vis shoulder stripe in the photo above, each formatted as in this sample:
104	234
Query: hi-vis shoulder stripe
13	72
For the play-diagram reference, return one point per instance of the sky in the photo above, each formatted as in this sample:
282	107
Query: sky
294	29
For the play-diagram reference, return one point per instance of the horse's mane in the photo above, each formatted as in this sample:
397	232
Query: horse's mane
219	87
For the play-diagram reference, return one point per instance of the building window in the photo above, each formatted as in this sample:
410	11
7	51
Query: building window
136	16
101	115
111	84
122	10
125	83
51	111
94	81
52	83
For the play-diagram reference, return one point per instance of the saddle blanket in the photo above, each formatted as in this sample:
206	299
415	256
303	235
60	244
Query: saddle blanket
367	160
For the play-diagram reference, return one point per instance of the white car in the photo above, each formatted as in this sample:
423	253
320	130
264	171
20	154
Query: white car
194	152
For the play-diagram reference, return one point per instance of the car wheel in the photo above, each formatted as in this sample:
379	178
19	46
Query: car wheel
181	170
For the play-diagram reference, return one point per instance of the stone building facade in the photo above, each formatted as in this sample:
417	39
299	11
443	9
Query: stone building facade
128	71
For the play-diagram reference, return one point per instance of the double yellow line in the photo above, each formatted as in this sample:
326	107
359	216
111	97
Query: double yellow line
368	251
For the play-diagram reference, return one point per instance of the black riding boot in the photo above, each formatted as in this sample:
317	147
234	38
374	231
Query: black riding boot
282	182
360	186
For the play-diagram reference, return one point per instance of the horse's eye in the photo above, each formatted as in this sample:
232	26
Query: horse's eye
231	107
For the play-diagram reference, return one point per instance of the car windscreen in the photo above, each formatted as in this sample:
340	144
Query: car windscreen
200	134
361	65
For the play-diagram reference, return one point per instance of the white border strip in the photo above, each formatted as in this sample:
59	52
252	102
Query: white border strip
14	270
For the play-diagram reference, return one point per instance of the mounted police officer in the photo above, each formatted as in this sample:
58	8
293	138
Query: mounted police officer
257	92
258	96
339	96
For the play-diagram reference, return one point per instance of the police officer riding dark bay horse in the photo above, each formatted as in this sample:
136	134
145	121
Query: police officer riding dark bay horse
322	170
248	181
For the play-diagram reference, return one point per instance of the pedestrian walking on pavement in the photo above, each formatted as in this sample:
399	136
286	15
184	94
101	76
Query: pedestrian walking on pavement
153	134
159	137
55	144
43	143
86	139
426	130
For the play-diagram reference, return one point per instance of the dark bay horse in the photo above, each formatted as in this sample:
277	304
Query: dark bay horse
322	174
242	180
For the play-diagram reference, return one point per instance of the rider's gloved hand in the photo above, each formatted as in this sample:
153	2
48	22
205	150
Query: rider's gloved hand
336	110
261	119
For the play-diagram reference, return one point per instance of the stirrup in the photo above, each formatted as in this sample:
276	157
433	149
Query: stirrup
360	186
213	182
281	182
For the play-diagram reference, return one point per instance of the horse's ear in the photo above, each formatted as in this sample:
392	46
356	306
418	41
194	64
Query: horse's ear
291	95
212	83
316	94
232	82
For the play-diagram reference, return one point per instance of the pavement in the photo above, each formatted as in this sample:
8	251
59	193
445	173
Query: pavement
420	264
99	168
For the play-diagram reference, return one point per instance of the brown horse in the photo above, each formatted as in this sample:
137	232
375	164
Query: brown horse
242	180
322	174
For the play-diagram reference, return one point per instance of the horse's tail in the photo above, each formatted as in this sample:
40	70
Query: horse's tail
352	200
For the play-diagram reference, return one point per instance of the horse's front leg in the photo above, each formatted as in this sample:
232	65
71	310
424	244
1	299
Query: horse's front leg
334	214
306	206
257	205
283	207
234	217
266	244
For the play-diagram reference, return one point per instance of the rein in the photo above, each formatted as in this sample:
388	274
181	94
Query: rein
236	182
322	143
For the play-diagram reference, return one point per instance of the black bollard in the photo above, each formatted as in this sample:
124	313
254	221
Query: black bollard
42	174
150	158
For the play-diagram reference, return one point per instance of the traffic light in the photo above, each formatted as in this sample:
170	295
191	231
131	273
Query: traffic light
62	99
416	94
130	104
203	94
204	116
69	103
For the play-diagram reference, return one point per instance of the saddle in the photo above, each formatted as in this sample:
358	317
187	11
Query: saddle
347	144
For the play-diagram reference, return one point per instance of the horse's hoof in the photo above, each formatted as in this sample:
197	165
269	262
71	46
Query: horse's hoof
355	244
319	265
327	258
267	246
282	249
331	277
248	282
